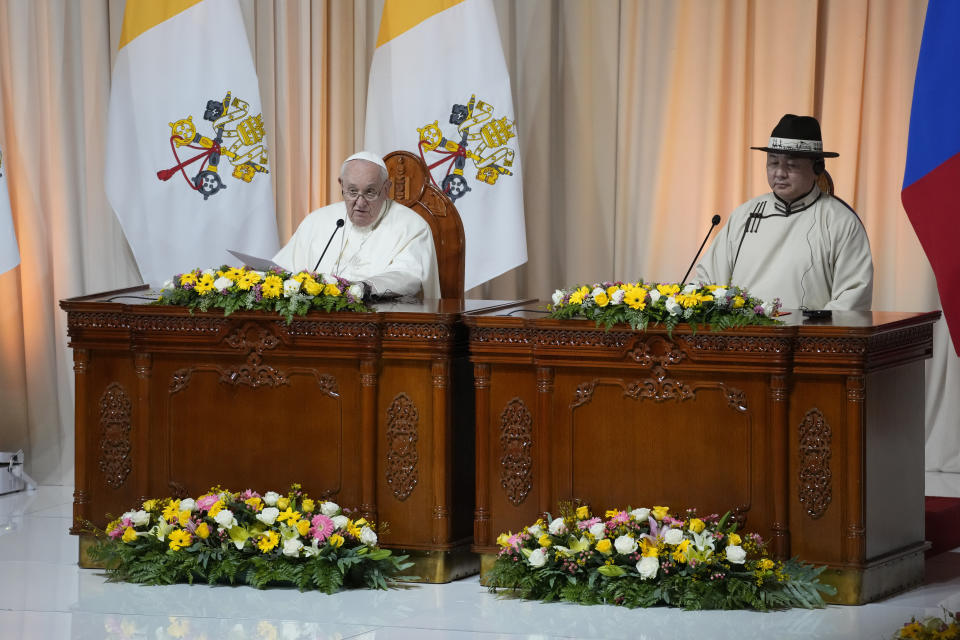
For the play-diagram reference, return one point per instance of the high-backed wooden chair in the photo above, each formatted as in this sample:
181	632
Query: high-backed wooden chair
412	188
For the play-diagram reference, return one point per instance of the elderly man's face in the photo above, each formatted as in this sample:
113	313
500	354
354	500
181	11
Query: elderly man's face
364	191
790	177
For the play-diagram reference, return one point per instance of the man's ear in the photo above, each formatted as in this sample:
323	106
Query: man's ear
389	185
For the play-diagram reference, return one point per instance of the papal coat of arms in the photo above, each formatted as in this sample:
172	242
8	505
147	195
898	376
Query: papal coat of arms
482	139
237	136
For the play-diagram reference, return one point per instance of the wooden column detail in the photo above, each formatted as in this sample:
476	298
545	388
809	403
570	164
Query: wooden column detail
442	470
854	542
780	465
481	514
541	439
143	366
368	447
81	360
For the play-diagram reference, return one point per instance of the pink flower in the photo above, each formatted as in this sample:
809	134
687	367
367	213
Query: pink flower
322	527
514	541
249	493
126	522
116	532
622	517
586	524
205	502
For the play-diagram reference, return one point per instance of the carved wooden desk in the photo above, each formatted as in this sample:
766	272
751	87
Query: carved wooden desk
811	433
358	408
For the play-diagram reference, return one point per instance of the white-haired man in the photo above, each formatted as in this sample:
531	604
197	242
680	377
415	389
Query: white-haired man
795	243
381	243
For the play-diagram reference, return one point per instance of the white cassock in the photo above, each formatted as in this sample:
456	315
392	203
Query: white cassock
813	253
395	254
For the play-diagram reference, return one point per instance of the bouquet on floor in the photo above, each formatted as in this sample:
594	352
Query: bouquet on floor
646	557
289	294
246	538
640	304
944	627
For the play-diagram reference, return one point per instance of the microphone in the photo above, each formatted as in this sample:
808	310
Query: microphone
340	224
713	222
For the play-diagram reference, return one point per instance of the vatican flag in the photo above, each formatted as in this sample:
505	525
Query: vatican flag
9	254
187	164
439	88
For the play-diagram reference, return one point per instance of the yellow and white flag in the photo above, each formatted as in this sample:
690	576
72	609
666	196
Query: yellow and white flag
9	254
187	165
439	87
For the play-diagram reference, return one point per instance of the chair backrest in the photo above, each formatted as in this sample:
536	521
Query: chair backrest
413	188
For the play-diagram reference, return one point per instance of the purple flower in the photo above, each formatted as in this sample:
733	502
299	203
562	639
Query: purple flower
257	292
758	309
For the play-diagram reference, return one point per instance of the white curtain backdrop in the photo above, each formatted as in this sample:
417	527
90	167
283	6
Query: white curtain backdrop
634	121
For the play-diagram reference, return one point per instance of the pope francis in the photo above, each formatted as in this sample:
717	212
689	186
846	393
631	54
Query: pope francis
382	244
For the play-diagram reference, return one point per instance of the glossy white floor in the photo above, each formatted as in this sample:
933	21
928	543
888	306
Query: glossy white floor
45	596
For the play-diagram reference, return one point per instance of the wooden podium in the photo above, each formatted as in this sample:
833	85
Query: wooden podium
811	433
373	411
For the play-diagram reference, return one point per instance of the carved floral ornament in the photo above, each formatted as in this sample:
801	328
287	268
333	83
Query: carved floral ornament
115	446
402	434
516	443
815	477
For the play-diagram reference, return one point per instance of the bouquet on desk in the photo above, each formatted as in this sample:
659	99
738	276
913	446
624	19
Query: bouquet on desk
645	557
248	538
289	294
639	304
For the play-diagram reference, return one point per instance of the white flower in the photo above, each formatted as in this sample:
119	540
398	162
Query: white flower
720	294
535	530
673	536
641	514
268	516
262	274
617	296
225	519
654	295
270	498
339	522
768	308
598	530
736	554
557	527
222	283
538	558
368	537
647	567
625	545
292	547
690	288
168	284
140	518
557	297
597	291
188	504
208	272
356	290
329	509
329	279
673	307
290	287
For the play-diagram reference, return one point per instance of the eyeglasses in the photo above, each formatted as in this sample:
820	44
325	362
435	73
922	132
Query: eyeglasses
369	195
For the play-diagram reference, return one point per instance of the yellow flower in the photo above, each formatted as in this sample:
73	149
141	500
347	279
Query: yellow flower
283	503
246	280
272	286
503	539
302	276
149	505
601	299
733	539
171	511
362	522
696	525
188	278
289	516
738	302
203	531
331	290
766	564
313	287
268	541
303	527
660	512
680	552
308	505
635	297
668	289
179	539
183	518
648	549
611	513
544	540
205	285
353	529
129	535
583	512
254	503
604	546
216	508
335	541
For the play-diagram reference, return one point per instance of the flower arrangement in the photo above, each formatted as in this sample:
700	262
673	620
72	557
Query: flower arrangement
946	627
248	538
645	557
289	294
638	304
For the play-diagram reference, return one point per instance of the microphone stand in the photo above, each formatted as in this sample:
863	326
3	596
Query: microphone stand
339	224
713	222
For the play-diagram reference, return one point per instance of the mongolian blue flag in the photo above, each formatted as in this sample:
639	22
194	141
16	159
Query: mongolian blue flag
931	182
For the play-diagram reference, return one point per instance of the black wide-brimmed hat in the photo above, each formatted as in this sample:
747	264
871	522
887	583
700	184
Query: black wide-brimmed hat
797	136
